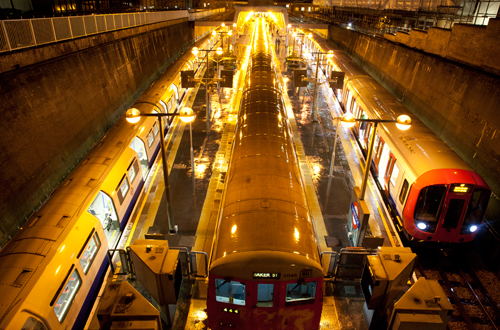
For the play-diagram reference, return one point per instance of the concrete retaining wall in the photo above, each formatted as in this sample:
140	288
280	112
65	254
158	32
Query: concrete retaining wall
58	100
458	102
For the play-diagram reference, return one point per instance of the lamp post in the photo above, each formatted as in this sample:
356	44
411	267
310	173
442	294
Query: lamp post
315	94
187	116
403	122
133	115
359	212
195	51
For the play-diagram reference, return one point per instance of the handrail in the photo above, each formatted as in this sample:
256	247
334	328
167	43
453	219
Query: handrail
23	33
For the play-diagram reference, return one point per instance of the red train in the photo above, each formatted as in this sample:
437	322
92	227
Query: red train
436	195
265	270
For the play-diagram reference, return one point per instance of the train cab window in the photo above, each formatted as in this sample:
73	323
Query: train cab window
475	211
429	203
300	293
231	292
68	293
90	253
265	295
151	138
402	193
33	323
103	208
132	170
138	146
123	189
394	175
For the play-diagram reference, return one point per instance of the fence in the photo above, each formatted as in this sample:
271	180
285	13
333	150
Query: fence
22	33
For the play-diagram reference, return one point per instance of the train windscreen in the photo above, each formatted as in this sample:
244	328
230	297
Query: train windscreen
475	210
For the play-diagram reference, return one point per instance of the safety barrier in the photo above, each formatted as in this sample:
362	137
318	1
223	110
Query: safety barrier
23	33
348	264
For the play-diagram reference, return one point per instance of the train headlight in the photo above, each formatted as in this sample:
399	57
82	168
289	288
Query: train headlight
421	226
473	228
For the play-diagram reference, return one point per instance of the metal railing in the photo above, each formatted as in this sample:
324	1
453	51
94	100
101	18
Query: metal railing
22	33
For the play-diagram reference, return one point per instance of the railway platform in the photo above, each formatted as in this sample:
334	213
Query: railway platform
195	203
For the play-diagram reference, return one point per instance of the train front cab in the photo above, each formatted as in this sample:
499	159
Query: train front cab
446	206
265	294
261	304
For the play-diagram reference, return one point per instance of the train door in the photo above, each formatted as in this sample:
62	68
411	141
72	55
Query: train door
383	162
265	306
103	208
377	151
452	216
367	131
138	146
391	166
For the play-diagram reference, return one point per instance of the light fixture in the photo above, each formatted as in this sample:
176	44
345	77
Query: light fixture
195	51
348	120
473	228
219	51
403	122
187	115
330	54
230	32
133	115
214	33
223	25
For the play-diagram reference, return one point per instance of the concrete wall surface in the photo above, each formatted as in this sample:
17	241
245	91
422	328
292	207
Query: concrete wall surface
53	110
458	102
474	45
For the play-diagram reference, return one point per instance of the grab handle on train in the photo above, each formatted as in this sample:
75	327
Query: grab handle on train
199	266
330	263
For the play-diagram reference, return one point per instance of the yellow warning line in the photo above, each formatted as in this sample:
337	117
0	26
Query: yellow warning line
389	234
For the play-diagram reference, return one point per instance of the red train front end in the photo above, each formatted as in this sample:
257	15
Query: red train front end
446	206
288	297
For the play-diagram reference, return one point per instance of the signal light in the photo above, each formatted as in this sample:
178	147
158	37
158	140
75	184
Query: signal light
228	78
298	76
339	83
186	77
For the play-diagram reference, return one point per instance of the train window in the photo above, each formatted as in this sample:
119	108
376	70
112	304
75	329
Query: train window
132	170
103	208
265	295
300	293
232	292
164	105
151	138
475	211
140	148
155	128
90	253
67	295
394	175
429	203
124	186
404	190
349	98
33	323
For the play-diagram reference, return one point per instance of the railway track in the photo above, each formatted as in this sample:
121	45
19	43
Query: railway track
474	306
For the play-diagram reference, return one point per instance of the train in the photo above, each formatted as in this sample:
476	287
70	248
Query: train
435	195
52	268
264	268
